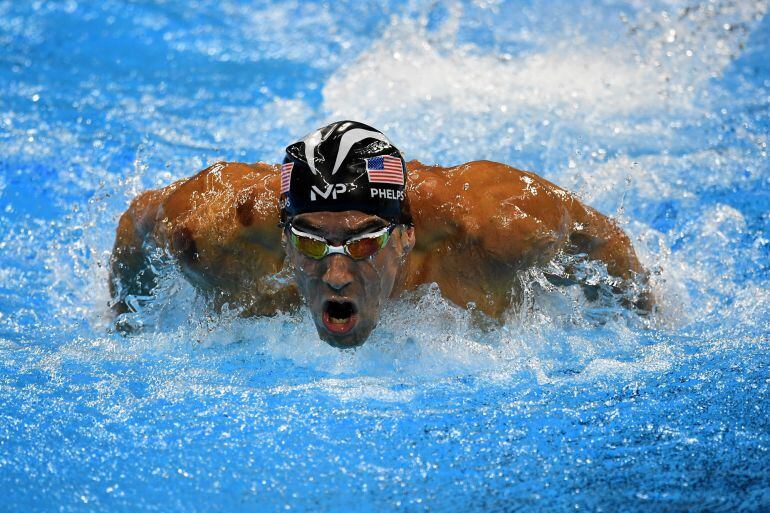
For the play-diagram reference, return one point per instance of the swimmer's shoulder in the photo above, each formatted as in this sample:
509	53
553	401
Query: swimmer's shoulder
221	185
506	211
216	197
480	186
228	175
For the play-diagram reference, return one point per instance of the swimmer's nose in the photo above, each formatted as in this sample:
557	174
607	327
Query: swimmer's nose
338	275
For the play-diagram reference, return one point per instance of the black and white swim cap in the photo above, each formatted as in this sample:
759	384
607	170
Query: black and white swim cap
344	166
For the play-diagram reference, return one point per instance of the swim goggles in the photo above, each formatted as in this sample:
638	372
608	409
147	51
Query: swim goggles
357	248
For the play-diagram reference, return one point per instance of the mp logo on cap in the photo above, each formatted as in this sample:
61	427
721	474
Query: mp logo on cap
331	190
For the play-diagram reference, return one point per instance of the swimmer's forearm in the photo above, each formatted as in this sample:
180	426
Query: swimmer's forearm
220	226
601	239
131	274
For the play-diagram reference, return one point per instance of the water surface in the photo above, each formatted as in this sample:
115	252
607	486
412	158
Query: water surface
656	113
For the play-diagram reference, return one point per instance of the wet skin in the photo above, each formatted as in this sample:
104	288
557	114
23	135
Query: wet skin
476	227
362	286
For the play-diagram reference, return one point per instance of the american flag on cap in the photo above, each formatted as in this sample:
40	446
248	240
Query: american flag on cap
385	169
286	176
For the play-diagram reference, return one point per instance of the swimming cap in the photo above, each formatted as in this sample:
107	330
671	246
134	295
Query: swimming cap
344	166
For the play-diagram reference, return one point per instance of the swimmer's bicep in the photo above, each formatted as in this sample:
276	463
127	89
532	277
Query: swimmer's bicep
523	229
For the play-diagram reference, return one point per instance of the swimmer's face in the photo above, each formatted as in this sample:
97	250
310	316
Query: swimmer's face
345	295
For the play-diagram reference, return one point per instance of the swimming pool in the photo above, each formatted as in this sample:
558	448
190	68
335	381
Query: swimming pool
654	112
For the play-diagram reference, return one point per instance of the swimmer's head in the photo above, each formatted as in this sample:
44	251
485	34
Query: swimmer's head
347	226
344	166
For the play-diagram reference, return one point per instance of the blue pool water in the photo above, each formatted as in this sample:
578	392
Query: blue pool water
656	113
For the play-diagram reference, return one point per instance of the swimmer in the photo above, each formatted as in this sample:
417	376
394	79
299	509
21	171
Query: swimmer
345	224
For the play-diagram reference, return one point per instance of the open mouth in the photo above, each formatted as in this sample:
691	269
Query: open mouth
339	317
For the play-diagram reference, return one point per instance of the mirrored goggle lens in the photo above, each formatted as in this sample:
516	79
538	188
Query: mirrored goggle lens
366	247
309	247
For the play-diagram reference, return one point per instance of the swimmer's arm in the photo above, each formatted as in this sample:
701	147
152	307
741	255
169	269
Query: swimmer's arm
131	275
533	220
220	226
600	238
553	220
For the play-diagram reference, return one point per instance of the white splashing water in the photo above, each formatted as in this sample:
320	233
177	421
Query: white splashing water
653	112
448	102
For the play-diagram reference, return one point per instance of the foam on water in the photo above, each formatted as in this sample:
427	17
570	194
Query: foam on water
653	112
